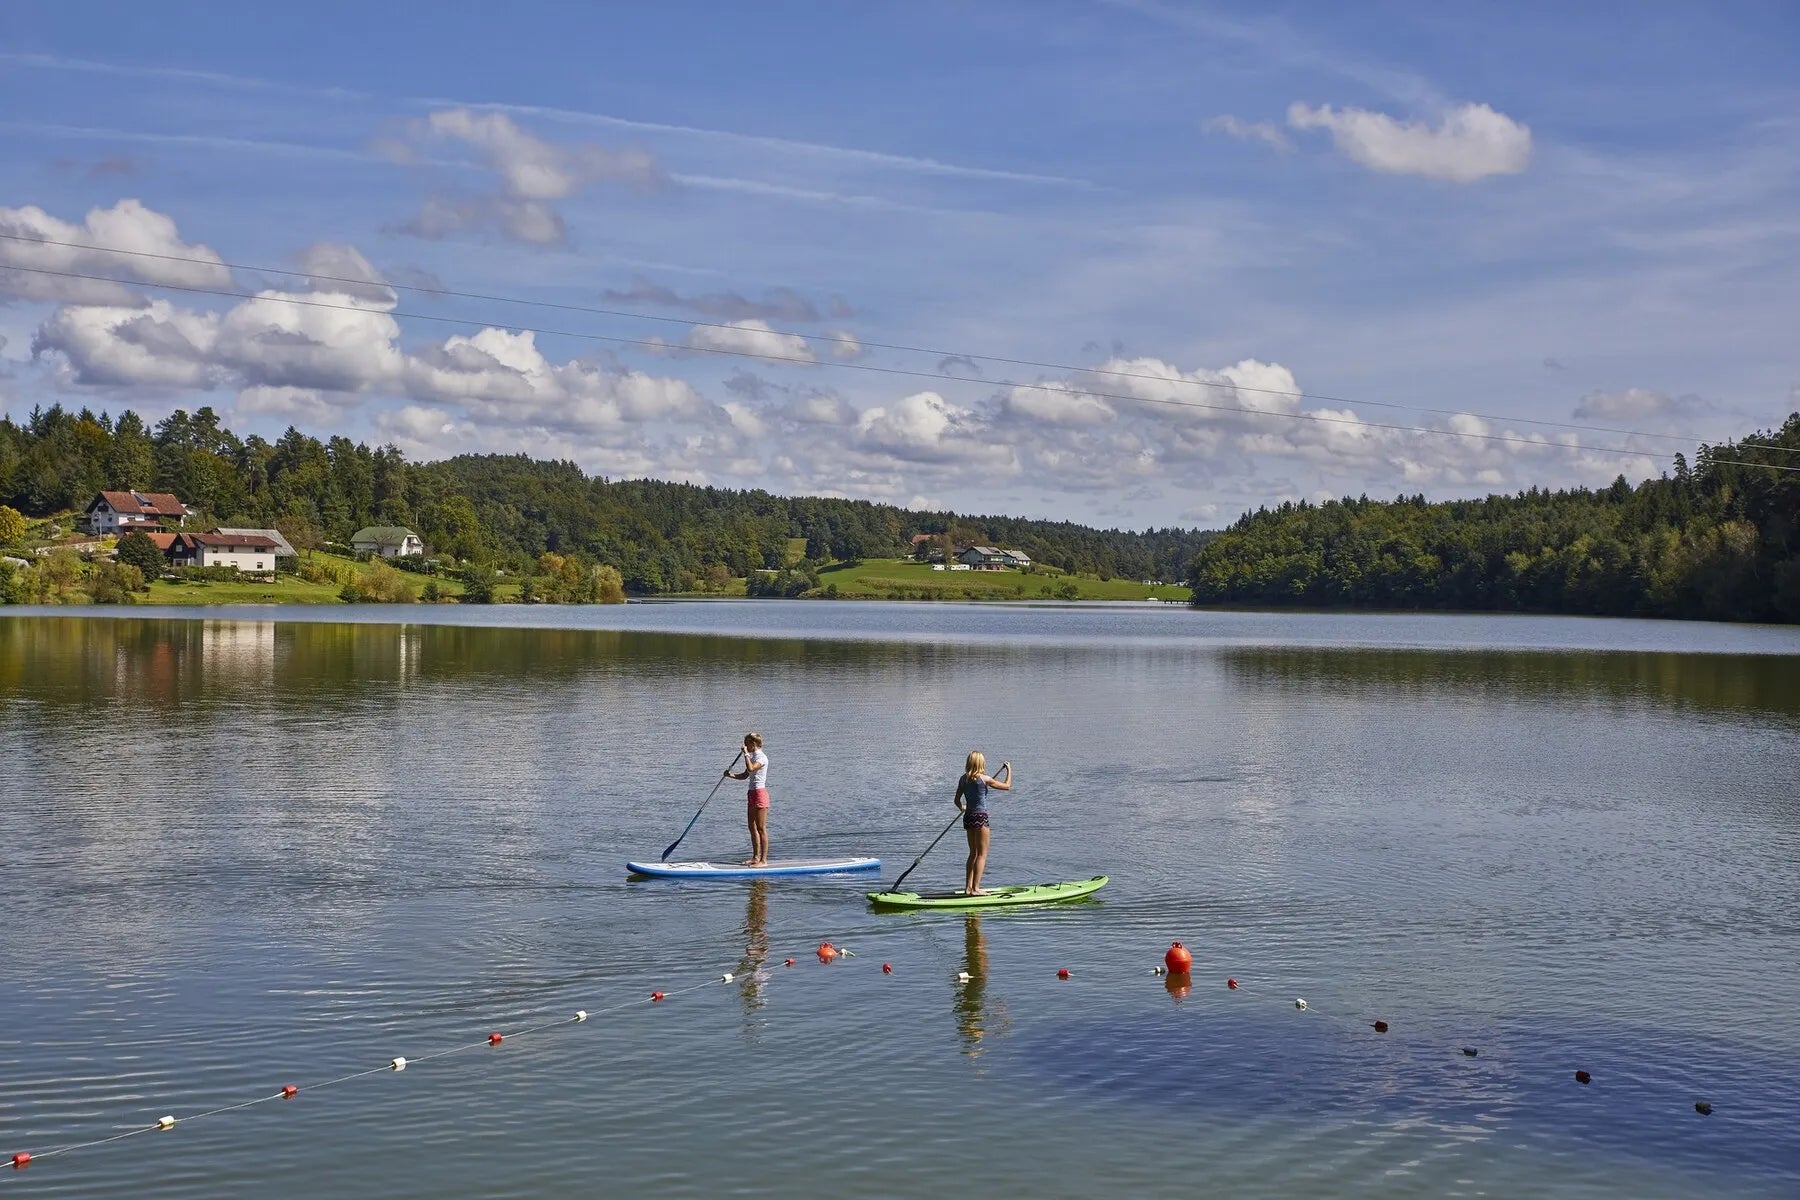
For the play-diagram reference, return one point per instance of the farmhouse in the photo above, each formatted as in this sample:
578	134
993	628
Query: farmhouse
121	512
282	548
387	541
250	553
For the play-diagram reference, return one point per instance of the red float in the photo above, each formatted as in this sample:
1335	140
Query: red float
1583	1077
494	1039
827	952
1178	960
21	1160
1232	984
1062	973
656	995
1381	1027
887	968
787	962
289	1091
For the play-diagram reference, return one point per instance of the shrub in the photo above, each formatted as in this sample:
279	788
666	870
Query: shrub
113	583
478	585
137	550
382	584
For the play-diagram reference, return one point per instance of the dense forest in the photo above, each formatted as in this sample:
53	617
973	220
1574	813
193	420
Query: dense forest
508	510
1719	541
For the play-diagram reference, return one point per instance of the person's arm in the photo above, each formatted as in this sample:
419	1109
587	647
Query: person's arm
957	799
1002	785
745	774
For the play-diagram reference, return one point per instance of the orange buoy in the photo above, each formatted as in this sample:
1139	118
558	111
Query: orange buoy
494	1039
1178	960
289	1091
656	996
1232	984
1062	973
787	962
827	952
21	1160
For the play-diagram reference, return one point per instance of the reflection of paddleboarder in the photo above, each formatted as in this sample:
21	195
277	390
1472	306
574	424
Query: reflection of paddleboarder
756	946
971	797
971	988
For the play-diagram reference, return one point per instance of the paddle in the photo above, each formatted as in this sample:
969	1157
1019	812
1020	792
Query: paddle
928	850
670	848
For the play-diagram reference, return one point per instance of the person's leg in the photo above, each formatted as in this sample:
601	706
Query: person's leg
750	820
969	875
978	850
760	837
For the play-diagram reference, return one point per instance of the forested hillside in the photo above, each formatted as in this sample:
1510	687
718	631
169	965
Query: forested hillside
1718	541
508	509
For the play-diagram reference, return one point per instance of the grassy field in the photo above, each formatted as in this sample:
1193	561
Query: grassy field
882	578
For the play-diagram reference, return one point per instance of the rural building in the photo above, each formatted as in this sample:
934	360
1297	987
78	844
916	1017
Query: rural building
121	512
250	553
282	548
387	541
985	558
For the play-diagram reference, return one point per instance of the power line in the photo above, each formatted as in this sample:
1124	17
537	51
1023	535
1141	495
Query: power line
661	346
830	340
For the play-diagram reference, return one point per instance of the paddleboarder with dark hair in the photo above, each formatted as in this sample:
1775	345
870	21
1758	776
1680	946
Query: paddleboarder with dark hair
756	770
971	800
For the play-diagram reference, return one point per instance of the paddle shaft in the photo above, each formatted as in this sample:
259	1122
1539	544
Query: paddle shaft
670	848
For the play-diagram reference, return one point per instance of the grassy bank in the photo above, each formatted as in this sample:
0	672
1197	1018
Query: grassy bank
894	578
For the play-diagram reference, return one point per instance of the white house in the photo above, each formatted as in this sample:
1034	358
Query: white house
250	553
282	548
121	512
388	541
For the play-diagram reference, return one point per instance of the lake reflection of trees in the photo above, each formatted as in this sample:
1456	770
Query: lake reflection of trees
1764	683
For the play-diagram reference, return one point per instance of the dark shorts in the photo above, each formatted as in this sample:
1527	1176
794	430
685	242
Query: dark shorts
975	820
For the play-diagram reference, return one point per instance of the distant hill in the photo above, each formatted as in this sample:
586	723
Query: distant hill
1720	541
510	509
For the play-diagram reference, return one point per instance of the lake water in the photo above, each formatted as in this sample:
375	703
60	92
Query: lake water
243	849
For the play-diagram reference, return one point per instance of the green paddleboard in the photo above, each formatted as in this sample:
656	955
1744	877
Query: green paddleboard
1025	893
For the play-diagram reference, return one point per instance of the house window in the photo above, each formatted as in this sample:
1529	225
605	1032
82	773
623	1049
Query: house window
259	565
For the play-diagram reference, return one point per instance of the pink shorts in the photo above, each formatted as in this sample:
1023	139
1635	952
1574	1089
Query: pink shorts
758	798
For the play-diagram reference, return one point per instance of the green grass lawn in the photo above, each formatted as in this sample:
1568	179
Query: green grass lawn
880	578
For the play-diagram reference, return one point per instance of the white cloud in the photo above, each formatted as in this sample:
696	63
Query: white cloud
532	173
157	345
1250	131
127	225
926	428
844	344
1631	404
750	337
1471	142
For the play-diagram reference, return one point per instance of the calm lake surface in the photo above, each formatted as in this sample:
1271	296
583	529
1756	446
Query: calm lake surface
246	848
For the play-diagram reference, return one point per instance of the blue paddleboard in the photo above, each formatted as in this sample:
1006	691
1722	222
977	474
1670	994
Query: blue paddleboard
731	870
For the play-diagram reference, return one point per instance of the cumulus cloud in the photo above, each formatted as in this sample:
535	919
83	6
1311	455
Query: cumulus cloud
532	173
1250	131
776	304
750	337
127	225
926	428
1471	142
844	344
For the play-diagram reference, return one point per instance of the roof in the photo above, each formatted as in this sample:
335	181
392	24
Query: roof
160	504
162	541
383	535
984	550
282	546
221	540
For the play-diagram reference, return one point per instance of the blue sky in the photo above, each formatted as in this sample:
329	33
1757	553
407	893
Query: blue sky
1518	215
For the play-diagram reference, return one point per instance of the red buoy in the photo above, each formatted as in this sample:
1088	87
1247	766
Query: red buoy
1583	1077
827	952
1062	973
494	1039
1232	984
289	1091
787	962
1178	960
656	995
887	968
21	1160
1381	1027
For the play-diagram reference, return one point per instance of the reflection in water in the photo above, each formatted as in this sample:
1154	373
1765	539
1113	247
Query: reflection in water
1739	682
751	975
976	1016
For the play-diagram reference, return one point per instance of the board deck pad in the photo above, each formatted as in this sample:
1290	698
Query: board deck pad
737	870
996	897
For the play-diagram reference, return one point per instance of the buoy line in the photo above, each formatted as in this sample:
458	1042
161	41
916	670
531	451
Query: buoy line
1175	971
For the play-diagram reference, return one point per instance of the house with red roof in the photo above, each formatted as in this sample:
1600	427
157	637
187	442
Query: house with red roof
122	512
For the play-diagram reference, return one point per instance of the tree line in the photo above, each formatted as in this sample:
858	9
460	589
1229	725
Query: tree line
509	511
1717	541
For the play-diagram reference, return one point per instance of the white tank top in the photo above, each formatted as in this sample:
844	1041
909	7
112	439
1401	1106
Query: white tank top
758	763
